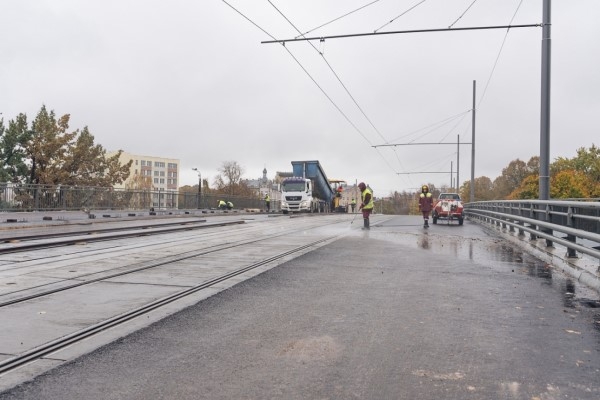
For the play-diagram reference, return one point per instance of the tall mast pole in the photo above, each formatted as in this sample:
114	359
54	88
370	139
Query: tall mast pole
545	107
472	198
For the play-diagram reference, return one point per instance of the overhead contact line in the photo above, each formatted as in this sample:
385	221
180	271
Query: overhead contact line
473	28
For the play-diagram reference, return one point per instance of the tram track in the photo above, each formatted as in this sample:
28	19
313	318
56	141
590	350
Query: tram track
58	239
86	280
259	241
75	337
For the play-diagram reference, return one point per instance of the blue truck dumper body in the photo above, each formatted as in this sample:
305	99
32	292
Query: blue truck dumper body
308	190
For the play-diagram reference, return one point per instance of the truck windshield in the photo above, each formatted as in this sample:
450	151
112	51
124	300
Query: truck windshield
293	186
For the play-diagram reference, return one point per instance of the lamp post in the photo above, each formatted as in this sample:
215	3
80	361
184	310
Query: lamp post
199	186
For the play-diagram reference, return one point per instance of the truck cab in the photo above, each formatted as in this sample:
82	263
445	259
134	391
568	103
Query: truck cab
297	195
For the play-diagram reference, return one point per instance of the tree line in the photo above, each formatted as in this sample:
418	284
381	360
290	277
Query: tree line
570	178
47	152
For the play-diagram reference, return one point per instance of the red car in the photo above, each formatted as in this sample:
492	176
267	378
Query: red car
448	207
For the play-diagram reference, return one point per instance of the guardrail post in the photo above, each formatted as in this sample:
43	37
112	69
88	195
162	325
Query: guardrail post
36	198
548	217
521	223
571	253
533	236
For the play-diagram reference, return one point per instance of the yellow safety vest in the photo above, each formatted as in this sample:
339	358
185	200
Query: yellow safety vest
370	205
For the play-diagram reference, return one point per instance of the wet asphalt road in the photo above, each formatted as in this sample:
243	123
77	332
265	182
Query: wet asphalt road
396	313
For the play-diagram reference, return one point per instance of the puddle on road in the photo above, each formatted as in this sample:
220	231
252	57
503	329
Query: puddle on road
499	254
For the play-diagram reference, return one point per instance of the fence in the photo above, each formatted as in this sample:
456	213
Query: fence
573	224
15	197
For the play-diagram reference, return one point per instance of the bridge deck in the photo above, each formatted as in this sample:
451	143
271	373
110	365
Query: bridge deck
398	312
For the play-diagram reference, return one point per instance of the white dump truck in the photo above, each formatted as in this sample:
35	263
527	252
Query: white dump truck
308	190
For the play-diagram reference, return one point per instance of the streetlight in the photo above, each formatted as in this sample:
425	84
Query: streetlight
199	186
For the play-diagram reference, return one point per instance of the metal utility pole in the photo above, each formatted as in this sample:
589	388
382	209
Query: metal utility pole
457	163
451	172
472	198
545	107
199	187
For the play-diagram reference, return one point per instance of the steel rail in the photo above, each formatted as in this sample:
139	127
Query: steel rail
14	248
38	236
144	266
58	344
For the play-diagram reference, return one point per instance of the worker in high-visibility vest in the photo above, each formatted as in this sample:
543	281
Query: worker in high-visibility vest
353	204
367	204
229	205
425	204
222	205
268	202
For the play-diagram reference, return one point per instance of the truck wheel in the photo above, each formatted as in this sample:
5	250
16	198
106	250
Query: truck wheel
284	211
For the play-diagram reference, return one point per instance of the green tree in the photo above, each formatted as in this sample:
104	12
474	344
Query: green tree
586	161
13	157
86	164
47	153
47	147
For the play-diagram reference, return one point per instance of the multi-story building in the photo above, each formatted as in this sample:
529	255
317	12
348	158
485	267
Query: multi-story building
157	174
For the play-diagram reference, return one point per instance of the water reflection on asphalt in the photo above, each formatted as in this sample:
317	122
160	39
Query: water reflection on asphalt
489	250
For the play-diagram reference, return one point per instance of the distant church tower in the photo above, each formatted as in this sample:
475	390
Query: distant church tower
264	178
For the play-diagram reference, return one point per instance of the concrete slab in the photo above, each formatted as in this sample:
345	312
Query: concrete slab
42	320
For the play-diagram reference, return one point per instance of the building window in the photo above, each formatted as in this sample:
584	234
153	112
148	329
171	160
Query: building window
136	162
172	166
162	180
162	173
143	162
155	180
174	181
155	173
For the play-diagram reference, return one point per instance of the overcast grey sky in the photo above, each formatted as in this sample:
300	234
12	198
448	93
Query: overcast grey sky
191	80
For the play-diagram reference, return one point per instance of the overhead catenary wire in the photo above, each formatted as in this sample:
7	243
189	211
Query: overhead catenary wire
395	18
498	56
451	28
352	35
338	18
305	71
434	126
462	15
340	82
495	64
314	81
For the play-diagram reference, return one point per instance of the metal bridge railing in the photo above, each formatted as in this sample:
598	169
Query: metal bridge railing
573	224
18	197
